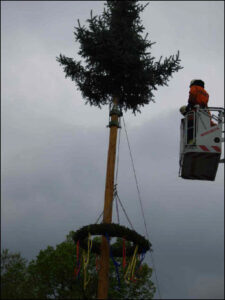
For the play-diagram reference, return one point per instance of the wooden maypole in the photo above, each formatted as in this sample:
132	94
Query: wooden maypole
103	277
118	64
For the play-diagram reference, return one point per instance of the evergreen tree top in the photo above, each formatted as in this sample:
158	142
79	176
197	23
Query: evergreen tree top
117	61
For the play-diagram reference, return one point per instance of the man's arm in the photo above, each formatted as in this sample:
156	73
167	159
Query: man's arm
192	98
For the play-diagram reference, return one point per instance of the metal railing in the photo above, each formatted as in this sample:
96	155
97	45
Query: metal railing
206	111
187	128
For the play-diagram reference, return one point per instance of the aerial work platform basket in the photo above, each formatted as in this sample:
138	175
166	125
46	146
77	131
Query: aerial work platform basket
201	137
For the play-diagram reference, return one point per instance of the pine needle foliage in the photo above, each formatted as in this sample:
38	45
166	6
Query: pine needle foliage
117	61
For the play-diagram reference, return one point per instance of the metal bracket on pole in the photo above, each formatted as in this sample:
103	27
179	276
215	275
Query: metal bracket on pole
114	123
115	111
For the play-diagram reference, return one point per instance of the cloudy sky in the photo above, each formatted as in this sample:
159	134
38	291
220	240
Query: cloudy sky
54	147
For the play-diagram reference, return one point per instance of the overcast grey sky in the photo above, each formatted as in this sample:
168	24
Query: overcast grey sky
54	147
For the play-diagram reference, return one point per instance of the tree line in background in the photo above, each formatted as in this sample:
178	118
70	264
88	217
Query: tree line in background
52	276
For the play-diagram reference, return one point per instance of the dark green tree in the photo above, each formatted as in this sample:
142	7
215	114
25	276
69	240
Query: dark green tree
51	276
14	276
53	273
117	59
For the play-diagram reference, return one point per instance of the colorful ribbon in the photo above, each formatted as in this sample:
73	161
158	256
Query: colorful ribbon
116	264
131	267
78	265
86	261
142	258
124	253
139	265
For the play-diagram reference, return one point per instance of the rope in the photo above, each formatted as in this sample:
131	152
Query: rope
99	217
101	214
139	195
115	196
140	201
118	147
124	211
117	211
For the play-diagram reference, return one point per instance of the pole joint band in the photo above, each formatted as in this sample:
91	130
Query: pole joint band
114	123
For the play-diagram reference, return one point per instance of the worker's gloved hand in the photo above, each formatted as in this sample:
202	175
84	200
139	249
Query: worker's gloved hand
183	110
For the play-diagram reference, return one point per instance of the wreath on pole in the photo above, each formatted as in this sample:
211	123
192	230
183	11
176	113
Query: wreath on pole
112	230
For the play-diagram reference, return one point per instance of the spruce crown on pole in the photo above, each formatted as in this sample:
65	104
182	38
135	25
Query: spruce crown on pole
117	59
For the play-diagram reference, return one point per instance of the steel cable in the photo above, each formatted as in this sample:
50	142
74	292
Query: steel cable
142	210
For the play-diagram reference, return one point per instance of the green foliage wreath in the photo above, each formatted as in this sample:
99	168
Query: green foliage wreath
112	230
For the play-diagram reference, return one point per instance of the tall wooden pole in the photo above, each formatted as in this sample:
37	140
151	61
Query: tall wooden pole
103	277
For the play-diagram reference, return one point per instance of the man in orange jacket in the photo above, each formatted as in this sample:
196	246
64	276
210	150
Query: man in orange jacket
197	96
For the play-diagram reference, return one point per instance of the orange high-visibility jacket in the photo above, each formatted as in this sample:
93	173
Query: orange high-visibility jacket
198	95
